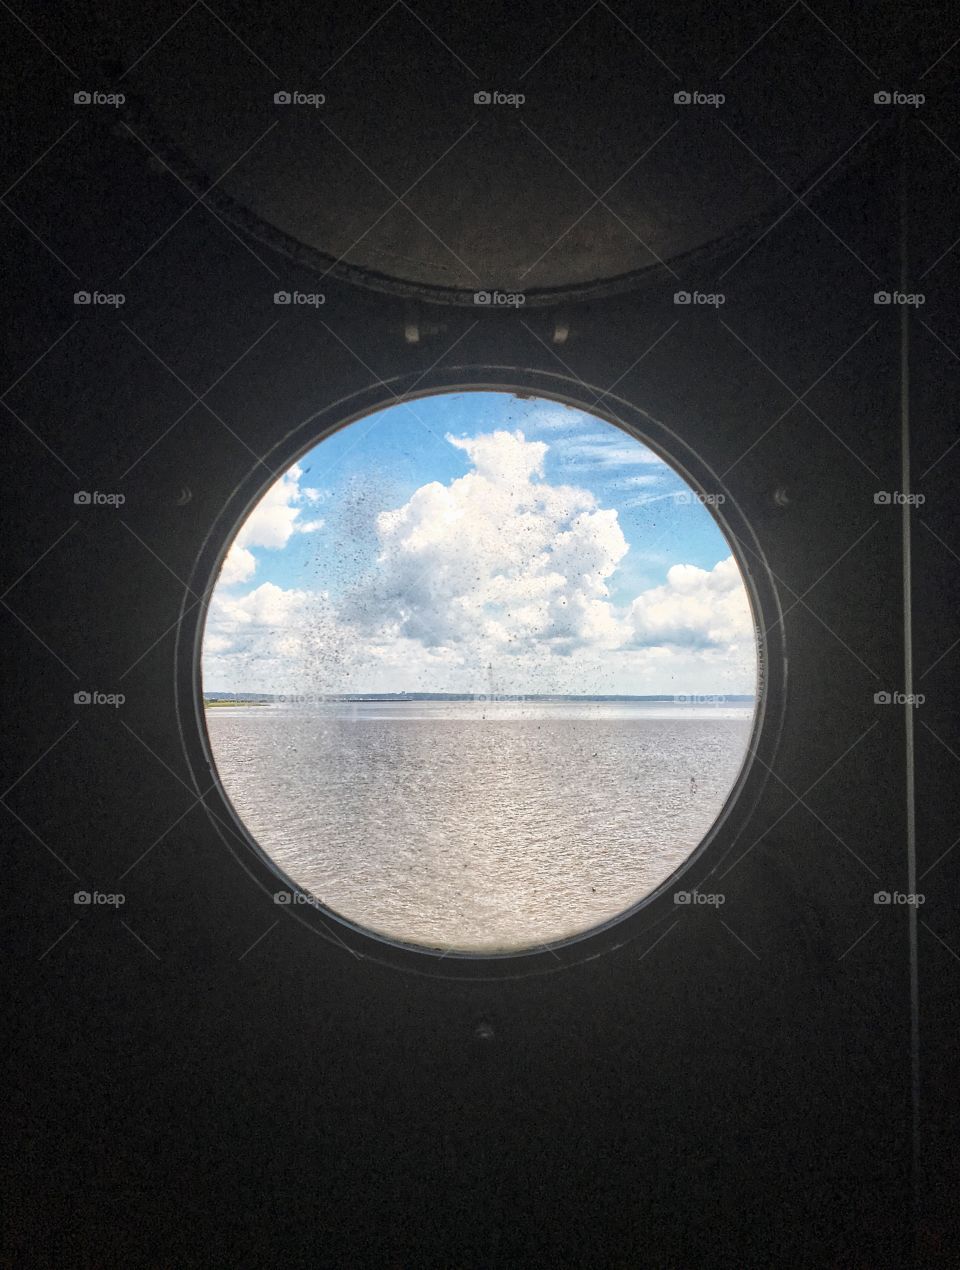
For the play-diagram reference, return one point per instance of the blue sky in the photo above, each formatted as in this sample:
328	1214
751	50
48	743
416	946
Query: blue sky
386	457
452	532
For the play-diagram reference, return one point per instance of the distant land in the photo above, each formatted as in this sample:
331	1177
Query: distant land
267	698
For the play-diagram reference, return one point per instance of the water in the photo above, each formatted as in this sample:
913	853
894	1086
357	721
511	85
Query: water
479	826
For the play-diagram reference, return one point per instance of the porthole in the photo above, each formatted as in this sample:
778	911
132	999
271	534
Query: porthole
479	673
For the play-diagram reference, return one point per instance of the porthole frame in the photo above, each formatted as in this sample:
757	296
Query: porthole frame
642	923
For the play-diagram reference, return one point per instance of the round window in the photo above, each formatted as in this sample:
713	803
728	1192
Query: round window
479	672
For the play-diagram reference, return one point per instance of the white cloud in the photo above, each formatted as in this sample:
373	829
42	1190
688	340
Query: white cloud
604	450
271	524
499	557
695	608
497	569
273	639
239	566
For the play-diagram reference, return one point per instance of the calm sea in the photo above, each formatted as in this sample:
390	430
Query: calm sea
476	825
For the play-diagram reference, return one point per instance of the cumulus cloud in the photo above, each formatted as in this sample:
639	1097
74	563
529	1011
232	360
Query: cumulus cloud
695	608
497	569
275	639
498	556
271	524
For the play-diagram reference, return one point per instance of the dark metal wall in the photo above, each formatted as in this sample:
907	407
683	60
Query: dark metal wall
199	1080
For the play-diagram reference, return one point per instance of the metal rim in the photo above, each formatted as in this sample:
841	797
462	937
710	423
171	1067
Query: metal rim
317	261
638	922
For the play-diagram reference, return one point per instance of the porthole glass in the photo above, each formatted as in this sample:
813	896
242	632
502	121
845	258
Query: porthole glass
479	672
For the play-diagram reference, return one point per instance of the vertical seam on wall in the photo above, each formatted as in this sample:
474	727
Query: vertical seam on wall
909	772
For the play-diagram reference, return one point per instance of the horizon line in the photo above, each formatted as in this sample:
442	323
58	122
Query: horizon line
484	696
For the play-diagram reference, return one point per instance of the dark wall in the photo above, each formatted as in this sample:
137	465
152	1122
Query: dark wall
199	1080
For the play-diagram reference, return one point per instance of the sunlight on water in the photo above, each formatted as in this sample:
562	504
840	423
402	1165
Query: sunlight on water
479	826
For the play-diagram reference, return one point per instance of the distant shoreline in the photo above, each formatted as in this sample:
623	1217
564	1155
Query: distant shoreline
212	702
258	699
